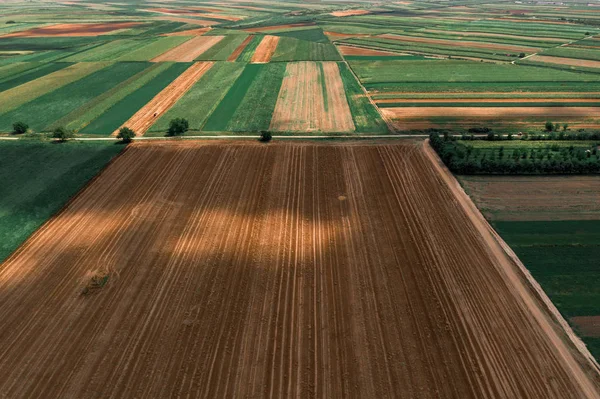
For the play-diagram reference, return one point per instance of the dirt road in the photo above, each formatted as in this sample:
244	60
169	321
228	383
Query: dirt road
279	270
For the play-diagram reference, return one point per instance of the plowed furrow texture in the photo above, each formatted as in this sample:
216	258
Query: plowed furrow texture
275	271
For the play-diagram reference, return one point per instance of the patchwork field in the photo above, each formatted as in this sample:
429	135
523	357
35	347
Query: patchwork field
552	223
234	269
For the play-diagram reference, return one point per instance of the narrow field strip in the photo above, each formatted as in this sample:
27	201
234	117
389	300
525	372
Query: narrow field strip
17	96
236	53
66	30
491	112
281	270
312	99
190	50
461	43
148	114
565	61
265	49
189	32
31	74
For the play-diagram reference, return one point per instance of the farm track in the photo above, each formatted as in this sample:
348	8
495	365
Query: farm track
280	270
144	118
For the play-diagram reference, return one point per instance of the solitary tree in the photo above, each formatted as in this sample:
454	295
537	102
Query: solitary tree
62	134
549	126
126	134
565	126
265	136
20	127
178	126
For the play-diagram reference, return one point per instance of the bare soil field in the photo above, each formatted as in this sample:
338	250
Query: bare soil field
535	197
305	105
486	100
236	53
348	13
589	326
565	61
62	30
189	32
351	50
506	113
279	27
459	43
143	119
265	49
280	270
189	50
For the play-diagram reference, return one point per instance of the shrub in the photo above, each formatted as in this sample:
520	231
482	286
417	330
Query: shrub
126	134
265	136
20	127
62	134
178	126
549	126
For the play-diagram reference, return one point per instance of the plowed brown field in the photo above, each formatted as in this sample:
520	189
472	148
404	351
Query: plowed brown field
265	49
312	99
565	61
351	50
189	50
62	30
280	270
144	118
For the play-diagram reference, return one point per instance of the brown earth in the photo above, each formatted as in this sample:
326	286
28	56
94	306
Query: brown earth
222	17
236	53
588	326
278	27
491	112
302	106
144	118
348	13
61	30
189	32
189	50
203	22
280	270
351	50
565	61
524	198
486	100
460	43
265	49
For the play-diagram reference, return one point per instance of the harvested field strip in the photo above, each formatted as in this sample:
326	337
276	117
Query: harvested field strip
565	61
301	105
189	32
491	112
461	43
248	51
73	30
139	94
236	53
266	48
43	111
82	117
220	118
489	103
202	99
147	115
252	271
516	95
223	49
349	13
249	117
31	74
153	49
17	96
189	50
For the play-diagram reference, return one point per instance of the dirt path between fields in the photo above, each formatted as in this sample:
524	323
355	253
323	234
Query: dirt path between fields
143	119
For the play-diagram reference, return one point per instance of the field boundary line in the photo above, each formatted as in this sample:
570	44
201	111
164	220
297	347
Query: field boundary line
548	311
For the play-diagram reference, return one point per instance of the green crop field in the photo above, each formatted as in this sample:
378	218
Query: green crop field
38	178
